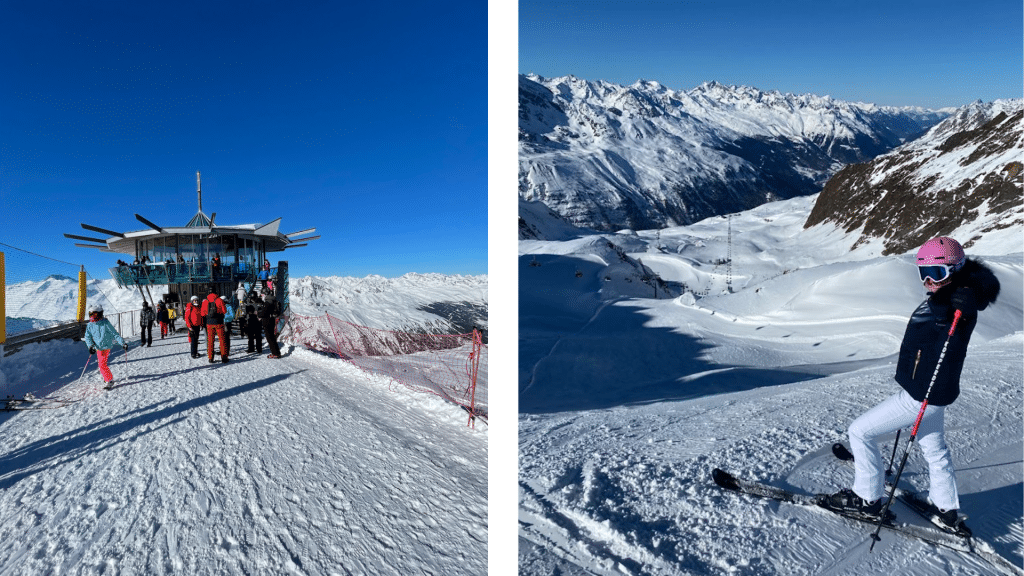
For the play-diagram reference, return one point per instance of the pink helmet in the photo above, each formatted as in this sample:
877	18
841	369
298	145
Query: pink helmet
937	259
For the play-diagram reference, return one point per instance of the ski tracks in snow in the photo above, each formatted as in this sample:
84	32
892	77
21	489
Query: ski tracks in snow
633	482
303	465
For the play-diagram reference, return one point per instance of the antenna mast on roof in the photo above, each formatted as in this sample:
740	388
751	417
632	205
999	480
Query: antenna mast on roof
199	191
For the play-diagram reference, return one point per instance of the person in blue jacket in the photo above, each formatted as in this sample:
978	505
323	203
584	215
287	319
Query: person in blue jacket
229	317
100	336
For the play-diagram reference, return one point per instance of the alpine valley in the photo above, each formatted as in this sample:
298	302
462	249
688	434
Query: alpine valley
721	278
607	157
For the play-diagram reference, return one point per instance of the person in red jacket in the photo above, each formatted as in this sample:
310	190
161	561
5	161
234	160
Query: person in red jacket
213	312
162	318
193	321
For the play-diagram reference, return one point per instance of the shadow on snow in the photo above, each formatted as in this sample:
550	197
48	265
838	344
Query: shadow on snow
67	447
579	353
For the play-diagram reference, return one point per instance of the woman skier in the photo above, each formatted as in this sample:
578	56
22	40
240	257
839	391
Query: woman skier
954	282
100	336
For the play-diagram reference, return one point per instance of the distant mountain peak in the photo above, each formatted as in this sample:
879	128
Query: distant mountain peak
607	156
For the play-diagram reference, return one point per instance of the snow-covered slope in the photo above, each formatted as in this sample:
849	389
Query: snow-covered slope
301	465
304	465
608	156
628	401
413	302
537	221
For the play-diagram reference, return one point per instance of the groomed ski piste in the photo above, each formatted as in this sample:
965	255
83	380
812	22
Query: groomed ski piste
301	465
627	403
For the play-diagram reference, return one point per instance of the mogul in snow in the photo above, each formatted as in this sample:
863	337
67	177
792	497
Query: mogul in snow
928	377
100	336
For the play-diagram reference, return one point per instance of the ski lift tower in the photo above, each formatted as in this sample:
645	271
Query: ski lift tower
728	274
199	257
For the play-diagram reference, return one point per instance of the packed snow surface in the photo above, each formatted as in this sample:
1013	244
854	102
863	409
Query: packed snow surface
301	465
627	402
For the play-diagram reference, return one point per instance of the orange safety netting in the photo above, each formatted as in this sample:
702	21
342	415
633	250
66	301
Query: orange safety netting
453	367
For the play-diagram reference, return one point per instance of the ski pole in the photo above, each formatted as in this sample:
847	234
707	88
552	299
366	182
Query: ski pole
913	433
895	443
87	360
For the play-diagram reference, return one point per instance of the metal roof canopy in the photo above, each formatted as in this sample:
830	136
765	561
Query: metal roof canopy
125	242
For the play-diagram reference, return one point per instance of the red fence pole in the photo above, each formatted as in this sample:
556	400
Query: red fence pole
476	368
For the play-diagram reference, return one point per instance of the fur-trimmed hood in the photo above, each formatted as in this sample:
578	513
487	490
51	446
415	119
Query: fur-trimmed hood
976	276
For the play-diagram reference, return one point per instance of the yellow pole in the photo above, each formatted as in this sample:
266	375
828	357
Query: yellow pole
81	294
3	300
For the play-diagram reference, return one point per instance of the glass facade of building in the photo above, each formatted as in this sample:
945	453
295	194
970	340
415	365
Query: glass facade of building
202	248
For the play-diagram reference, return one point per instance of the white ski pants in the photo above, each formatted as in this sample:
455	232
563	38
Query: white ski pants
899	412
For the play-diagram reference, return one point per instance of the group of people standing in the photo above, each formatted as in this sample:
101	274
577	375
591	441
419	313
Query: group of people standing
164	314
216	314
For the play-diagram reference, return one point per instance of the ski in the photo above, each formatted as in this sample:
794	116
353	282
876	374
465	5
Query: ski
729	482
30	402
922	508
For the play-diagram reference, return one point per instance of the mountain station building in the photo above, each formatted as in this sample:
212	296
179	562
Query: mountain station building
178	262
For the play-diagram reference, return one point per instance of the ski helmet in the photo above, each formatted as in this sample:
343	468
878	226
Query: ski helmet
95	308
938	259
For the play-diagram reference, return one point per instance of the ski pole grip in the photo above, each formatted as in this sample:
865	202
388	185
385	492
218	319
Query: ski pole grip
956	318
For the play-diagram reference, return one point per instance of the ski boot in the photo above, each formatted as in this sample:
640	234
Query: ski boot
848	503
948	520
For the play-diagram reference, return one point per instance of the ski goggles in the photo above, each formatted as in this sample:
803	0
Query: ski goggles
935	272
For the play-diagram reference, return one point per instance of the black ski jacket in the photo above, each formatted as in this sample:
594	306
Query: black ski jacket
147	317
973	288
269	313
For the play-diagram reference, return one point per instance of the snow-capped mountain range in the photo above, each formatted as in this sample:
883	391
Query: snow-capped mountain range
430	303
964	177
607	156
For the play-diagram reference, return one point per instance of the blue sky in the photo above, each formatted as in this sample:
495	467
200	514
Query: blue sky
367	121
932	53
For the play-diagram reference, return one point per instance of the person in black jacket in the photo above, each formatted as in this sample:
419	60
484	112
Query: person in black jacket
954	282
146	320
268	316
162	318
253	330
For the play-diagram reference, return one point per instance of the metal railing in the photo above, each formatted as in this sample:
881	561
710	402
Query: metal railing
74	330
185	273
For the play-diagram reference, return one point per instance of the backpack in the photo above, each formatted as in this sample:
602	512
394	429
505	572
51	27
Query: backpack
214	314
